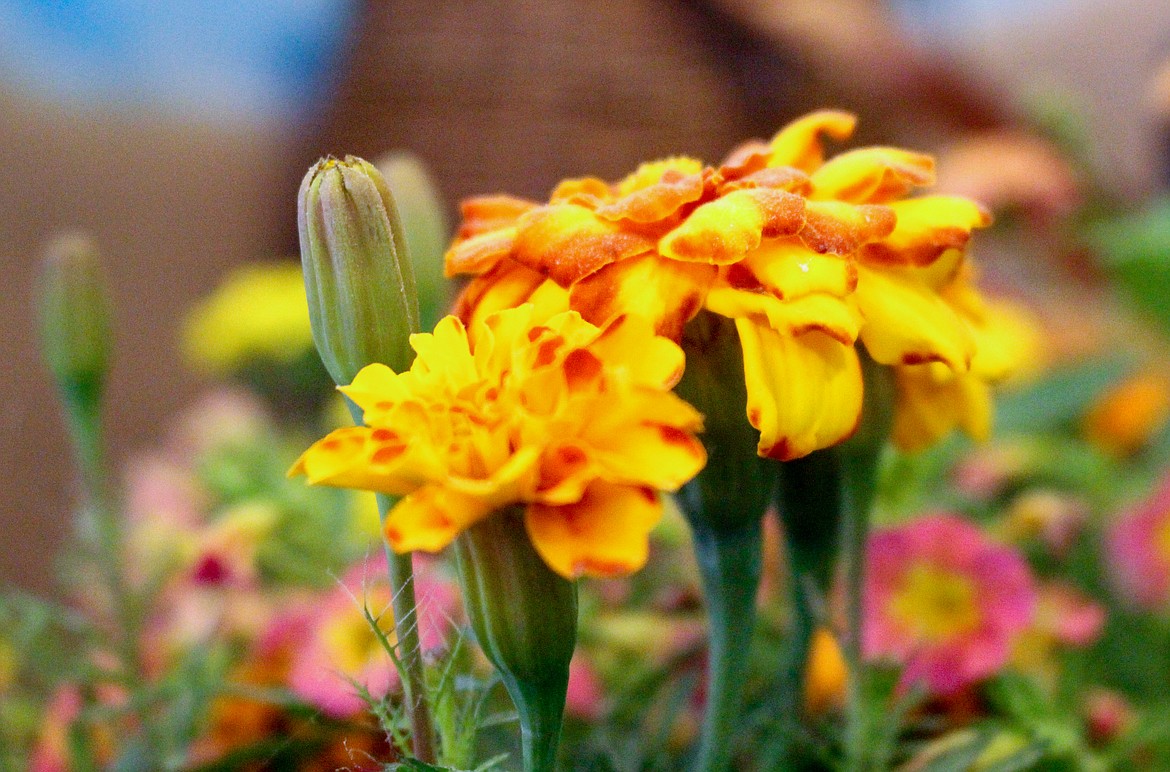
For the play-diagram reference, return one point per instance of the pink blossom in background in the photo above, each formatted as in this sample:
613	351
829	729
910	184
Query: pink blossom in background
586	694
1138	548
337	650
944	602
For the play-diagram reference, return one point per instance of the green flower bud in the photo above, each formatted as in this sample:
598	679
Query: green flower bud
425	228
75	318
360	285
525	620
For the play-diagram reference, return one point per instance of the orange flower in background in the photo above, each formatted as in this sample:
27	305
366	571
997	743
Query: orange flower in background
808	256
575	422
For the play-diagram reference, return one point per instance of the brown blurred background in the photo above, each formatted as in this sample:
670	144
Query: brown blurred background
495	95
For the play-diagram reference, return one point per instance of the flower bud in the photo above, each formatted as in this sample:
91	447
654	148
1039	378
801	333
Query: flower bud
358	278
75	318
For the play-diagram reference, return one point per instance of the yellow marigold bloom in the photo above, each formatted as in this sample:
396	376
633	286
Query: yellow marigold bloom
259	312
573	421
807	255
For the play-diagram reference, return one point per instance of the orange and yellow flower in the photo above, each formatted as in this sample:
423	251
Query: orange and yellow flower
575	422
807	255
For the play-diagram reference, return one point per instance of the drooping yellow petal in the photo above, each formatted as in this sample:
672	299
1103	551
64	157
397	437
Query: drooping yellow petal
834	316
788	269
724	230
906	322
872	175
568	242
926	228
605	534
933	401
799	143
668	293
430	518
803	392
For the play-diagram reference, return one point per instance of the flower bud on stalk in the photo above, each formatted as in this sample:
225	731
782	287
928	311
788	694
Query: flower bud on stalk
363	308
358	277
75	333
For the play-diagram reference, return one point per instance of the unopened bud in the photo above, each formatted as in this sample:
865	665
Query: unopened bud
75	317
358	278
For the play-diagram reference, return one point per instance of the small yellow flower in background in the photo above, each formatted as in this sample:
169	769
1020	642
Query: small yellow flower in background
1127	416
824	680
258	313
573	421
807	255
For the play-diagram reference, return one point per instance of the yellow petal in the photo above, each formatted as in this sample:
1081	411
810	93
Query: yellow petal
803	392
363	458
430	518
480	253
788	269
375	388
605	534
872	175
840	228
724	230
799	143
568	242
667	293
651	173
628	344
836	317
926	228
507	285
906	322
932	401
655	455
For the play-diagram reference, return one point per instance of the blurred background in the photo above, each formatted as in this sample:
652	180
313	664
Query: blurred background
177	134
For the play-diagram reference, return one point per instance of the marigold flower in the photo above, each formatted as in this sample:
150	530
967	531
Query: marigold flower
944	602
808	257
575	422
1124	419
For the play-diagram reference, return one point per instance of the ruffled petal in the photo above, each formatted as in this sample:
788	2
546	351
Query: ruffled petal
788	269
479	253
667	293
926	228
872	175
656	455
508	285
568	242
482	214
657	201
430	518
803	392
628	346
605	534
651	173
724	230
906	322
839	228
778	178
834	316
799	143
363	458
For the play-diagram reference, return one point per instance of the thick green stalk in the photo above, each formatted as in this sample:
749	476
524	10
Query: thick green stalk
525	620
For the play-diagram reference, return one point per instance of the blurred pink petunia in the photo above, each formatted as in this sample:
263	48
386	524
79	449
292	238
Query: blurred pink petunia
338	652
1138	546
944	602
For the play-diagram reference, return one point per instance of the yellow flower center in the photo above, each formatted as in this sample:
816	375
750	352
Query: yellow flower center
935	604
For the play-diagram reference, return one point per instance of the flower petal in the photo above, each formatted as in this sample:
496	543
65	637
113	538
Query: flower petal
932	401
926	228
479	253
568	242
508	285
803	392
836	317
628	344
665	292
872	175
656	455
788	269
658	201
839	228
799	143
906	322
482	214
723	230
605	534
366	459
430	518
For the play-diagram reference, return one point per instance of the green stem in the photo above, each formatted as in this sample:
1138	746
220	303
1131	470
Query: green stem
401	572
525	620
729	566
809	501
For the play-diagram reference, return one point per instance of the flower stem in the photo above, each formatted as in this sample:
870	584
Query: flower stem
729	565
401	571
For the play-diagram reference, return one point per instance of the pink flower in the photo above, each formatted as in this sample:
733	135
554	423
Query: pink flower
338	652
586	694
1138	546
944	602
